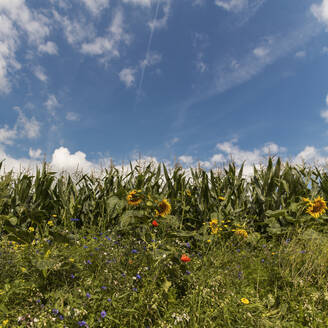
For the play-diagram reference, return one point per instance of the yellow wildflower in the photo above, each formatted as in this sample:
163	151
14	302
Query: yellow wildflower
188	192
48	253
214	226
72	260
317	207
132	198
51	223
245	300
31	229
241	232
23	269
164	208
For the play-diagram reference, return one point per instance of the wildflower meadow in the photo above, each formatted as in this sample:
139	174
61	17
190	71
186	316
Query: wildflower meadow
160	247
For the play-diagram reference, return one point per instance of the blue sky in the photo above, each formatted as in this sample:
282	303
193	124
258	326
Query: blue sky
86	81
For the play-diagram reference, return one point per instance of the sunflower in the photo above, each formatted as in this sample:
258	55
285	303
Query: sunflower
214	226
164	208
221	198
317	207
132	198
241	232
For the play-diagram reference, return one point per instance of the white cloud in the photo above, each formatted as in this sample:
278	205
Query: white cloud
71	116
108	45
300	54
36	154
151	59
51	104
96	6
49	48
327	99
201	66
261	51
186	159
7	135
161	22
325	50
272	148
198	2
15	17
321	11
217	158
127	76
144	3
75	31
324	114
39	73
311	155
171	142
62	159
29	128
232	5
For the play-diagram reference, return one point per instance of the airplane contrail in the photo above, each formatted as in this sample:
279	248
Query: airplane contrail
147	54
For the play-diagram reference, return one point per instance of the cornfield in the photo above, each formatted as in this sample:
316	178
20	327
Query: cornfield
270	202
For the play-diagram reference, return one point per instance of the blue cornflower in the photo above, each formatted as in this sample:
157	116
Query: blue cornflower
82	323
100	233
123	274
89	261
55	311
38	301
109	299
303	252
134	251
61	317
138	276
108	238
103	314
287	240
134	289
74	219
103	287
88	295
262	260
188	245
85	246
95	238
97	248
72	276
238	250
188	272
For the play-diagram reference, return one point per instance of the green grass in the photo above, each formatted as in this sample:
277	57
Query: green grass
102	263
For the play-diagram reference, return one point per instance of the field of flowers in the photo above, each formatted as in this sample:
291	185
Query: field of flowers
165	248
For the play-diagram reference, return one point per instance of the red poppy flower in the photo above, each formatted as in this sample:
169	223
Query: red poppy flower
154	223
185	258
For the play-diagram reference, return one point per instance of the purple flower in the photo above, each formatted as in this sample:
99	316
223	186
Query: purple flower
262	260
89	261
88	295
188	245
188	272
75	219
103	287
61	317
103	314
95	238
134	251
134	289
72	276
82	323
109	299
108	238
85	246
55	311
138	276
